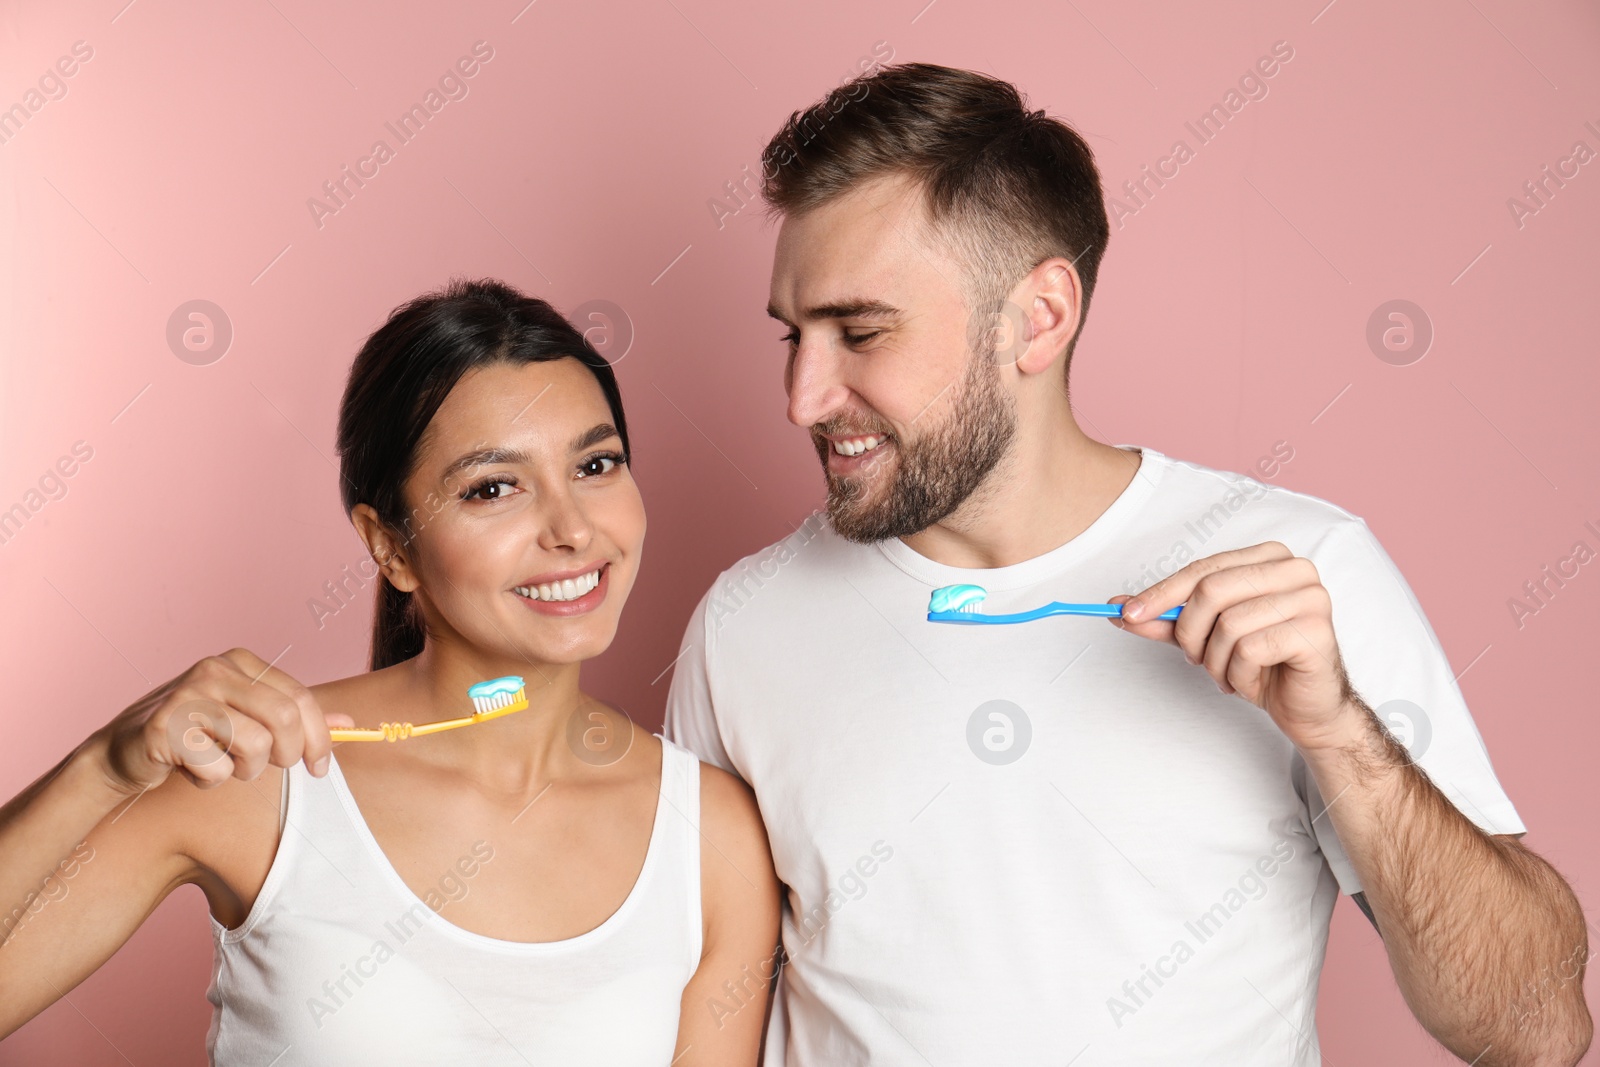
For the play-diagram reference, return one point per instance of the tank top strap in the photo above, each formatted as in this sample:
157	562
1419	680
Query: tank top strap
680	785
680	780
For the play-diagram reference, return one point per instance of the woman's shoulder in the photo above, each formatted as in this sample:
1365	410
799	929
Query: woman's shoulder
349	696
739	889
730	816
223	838
230	832
725	794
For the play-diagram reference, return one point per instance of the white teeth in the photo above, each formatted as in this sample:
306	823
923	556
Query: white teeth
566	589
854	446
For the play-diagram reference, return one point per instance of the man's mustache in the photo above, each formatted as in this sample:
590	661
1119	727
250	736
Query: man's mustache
838	429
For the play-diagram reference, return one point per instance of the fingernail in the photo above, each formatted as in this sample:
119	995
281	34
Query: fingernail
320	768
1132	608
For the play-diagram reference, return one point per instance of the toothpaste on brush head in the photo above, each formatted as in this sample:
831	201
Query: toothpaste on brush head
496	693
957	598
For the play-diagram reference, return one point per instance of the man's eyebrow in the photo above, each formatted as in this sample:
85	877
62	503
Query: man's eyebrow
486	457
845	309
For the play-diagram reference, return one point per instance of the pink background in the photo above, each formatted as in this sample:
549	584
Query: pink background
1231	314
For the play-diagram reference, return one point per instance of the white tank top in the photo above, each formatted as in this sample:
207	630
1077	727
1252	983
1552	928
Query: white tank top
339	962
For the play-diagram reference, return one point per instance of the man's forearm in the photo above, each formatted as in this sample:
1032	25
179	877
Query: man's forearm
1486	940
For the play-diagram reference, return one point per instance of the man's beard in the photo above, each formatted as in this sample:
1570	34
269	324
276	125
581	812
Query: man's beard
933	475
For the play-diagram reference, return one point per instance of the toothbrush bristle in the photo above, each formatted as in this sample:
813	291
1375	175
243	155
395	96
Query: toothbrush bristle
957	598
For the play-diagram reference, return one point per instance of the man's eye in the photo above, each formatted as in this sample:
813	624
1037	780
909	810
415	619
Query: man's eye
791	338
860	338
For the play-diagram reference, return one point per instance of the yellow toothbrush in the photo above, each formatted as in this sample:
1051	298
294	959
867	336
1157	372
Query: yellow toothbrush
491	699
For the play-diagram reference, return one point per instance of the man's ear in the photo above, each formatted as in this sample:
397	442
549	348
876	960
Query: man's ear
1047	306
385	548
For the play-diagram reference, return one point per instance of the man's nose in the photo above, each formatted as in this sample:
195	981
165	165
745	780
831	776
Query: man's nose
815	383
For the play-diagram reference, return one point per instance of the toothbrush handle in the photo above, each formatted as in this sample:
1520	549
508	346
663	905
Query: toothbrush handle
1110	611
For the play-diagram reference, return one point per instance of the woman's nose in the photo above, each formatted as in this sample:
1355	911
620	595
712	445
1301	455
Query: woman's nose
565	525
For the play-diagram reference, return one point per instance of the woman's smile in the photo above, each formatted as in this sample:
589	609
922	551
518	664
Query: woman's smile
569	593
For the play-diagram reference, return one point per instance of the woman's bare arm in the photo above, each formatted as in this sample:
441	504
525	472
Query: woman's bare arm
83	864
89	850
724	1007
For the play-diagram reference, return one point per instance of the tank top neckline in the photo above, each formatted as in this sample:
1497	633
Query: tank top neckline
652	859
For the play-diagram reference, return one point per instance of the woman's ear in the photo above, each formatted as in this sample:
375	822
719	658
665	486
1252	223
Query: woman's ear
384	547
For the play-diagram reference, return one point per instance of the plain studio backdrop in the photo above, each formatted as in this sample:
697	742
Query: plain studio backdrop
159	154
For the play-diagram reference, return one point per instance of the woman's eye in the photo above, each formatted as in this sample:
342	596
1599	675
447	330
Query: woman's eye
481	490
605	465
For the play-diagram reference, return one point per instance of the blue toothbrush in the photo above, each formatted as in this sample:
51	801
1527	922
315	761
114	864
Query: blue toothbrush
961	603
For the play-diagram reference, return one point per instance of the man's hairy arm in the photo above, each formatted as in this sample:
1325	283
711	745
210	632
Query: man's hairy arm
1486	940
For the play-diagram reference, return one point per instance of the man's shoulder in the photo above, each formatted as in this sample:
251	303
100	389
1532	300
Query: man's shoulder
1268	510
802	564
812	544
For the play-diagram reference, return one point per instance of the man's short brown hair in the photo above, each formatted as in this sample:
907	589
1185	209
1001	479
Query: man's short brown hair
1007	187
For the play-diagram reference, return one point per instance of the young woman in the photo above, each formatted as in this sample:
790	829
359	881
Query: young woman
545	886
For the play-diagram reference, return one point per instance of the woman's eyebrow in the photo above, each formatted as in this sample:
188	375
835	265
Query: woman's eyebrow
594	436
484	457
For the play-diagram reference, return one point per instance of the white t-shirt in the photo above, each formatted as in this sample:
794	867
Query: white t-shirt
1036	842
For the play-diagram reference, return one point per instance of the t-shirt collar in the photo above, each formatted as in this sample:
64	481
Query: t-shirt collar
1152	466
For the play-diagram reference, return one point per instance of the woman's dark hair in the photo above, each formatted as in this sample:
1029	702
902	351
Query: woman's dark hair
396	384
